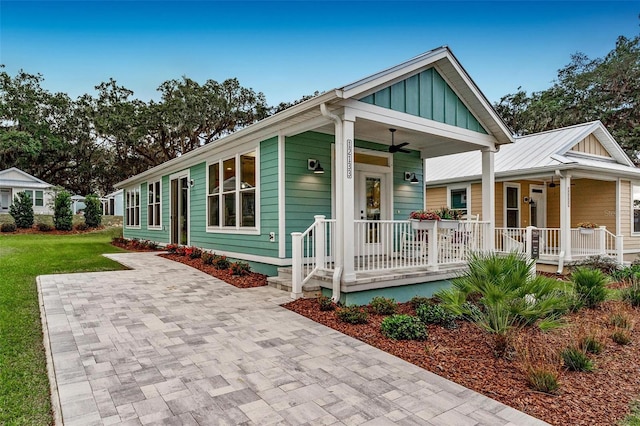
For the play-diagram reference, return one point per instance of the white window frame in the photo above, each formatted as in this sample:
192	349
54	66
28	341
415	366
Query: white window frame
131	209
519	208
32	195
467	188
151	204
237	229
633	208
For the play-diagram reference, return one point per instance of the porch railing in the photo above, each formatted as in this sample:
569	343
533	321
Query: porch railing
311	251
584	242
383	245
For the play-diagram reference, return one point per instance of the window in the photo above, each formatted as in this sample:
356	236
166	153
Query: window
37	197
154	211
458	199
512	205
636	208
132	198
231	194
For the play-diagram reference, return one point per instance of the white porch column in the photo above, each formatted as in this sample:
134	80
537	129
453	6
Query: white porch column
489	196
565	216
348	200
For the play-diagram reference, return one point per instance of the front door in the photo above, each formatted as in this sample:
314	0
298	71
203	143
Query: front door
371	205
538	206
5	200
180	210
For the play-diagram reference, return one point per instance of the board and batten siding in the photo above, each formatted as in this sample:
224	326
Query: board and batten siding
591	145
426	95
250	244
307	194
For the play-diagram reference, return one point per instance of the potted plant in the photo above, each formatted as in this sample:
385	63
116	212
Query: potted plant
587	227
421	219
449	217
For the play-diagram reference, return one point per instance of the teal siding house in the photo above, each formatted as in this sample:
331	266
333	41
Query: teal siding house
319	196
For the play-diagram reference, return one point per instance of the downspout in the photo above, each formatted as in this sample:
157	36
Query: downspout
339	174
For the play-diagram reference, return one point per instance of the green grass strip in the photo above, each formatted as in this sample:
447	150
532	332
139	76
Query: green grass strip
24	385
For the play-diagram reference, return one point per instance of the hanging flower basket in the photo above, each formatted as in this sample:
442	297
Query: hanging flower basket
587	228
448	224
422	224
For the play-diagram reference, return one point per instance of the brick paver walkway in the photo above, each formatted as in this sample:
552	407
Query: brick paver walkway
166	344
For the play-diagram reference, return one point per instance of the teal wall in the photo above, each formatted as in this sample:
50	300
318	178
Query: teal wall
429	96
258	245
306	194
400	294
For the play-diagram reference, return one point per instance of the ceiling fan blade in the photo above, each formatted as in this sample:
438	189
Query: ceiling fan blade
400	145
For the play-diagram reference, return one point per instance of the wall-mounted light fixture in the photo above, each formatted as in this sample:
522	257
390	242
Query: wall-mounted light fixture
411	177
191	183
314	166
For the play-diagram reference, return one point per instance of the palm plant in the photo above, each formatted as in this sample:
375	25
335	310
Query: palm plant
508	296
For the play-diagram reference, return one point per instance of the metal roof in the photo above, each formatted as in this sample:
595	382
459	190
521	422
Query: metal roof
25	180
537	152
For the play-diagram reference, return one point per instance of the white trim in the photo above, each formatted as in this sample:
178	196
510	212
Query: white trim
516	185
154	227
419	124
618	211
133	189
252	257
544	198
282	202
631	213
186	173
237	229
466	187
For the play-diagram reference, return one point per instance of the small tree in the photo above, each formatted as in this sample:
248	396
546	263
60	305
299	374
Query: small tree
92	211
62	213
22	210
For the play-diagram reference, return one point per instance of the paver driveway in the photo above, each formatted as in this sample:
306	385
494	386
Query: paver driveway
166	344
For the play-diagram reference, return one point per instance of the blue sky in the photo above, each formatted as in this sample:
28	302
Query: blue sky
290	49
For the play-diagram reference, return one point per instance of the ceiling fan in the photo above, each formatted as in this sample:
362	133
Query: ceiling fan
397	148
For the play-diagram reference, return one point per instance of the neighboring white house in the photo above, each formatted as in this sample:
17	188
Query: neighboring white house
78	203
14	180
113	203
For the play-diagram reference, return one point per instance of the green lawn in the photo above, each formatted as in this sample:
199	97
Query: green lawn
24	387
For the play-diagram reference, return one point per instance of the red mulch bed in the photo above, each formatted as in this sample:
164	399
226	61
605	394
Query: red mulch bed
252	279
465	356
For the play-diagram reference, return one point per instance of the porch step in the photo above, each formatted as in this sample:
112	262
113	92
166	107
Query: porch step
283	282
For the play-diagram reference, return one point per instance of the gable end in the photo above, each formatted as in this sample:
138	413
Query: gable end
591	145
426	95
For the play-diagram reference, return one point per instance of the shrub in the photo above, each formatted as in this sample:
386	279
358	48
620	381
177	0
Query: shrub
621	337
383	305
221	262
44	227
542	379
207	258
403	327
240	268
181	250
436	314
92	211
416	301
590	286
352	315
196	253
576	360
632	293
22	210
606	265
172	248
81	227
62	213
326	304
8	227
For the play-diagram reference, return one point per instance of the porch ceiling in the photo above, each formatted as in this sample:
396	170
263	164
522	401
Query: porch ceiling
430	145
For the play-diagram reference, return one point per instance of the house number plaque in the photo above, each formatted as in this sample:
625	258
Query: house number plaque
349	159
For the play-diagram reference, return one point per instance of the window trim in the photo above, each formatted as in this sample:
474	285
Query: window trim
237	229
128	207
633	209
466	187
151	204
32	195
504	205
